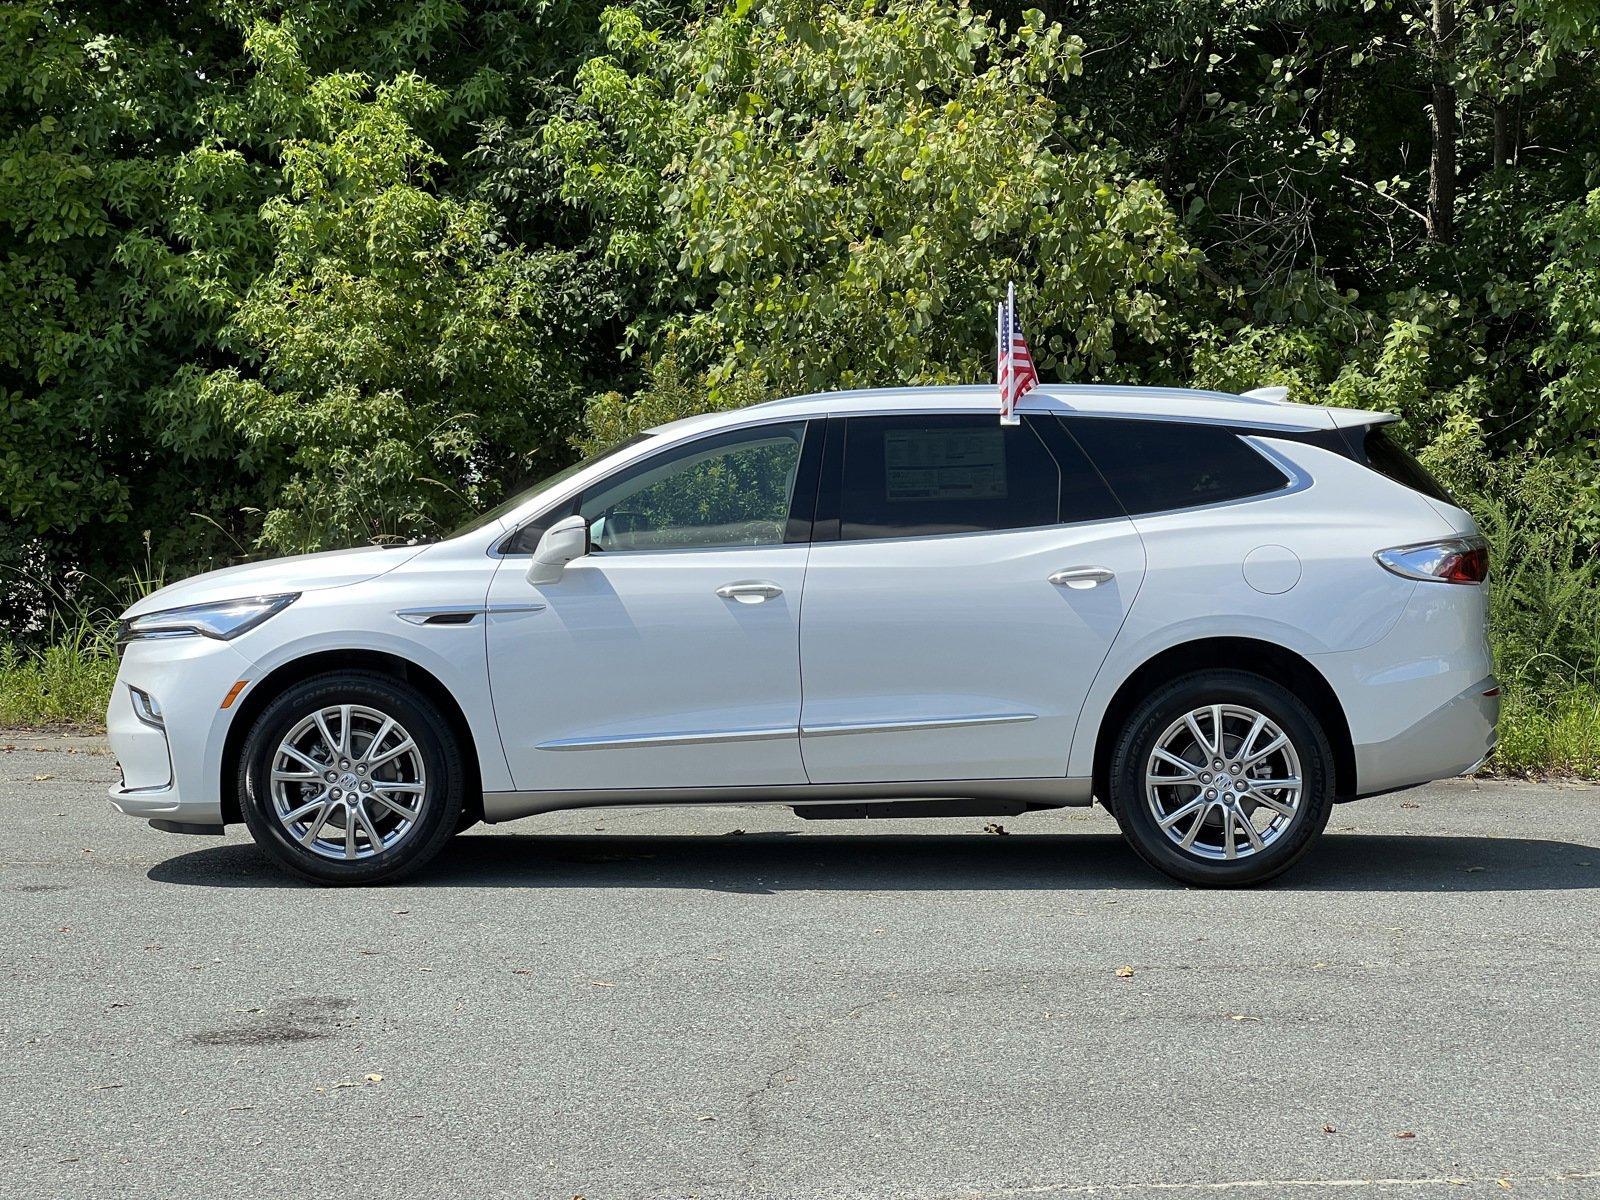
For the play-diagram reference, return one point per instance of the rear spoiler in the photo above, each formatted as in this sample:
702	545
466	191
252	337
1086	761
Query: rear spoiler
1358	418
1342	418
1267	395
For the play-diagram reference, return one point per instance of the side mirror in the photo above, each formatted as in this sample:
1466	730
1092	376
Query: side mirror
564	541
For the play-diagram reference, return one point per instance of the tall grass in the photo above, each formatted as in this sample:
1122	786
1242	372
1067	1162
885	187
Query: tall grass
66	682
62	675
1544	620
1549	733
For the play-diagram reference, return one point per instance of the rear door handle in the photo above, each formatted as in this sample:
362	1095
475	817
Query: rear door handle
749	592
1082	577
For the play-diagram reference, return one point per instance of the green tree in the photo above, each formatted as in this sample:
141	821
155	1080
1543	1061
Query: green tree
97	107
817	195
149	157
288	275
399	358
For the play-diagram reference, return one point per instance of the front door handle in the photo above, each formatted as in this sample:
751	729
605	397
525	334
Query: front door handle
1082	577
749	592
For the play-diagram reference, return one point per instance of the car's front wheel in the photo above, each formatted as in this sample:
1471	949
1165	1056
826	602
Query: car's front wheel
351	777
1222	778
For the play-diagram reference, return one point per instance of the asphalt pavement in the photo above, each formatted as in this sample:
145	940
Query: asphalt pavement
731	1002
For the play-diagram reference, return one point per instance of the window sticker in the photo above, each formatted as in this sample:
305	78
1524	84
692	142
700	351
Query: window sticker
944	464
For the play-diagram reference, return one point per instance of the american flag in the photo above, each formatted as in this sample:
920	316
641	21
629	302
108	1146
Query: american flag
1015	373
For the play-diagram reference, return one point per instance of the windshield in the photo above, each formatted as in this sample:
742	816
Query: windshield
544	485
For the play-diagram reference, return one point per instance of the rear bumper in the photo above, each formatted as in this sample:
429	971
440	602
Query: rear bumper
1454	739
1417	701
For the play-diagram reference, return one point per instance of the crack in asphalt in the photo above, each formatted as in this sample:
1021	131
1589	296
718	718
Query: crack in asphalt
1046	1190
799	1045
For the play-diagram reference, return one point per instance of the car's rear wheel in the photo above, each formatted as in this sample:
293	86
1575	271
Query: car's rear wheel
351	777
1222	778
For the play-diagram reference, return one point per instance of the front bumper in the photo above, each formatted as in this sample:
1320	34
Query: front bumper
164	807
171	767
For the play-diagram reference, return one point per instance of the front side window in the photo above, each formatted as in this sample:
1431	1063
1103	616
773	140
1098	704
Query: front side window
917	476
510	505
733	489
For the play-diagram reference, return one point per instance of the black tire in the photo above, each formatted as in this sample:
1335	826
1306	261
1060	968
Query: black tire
1156	716
436	768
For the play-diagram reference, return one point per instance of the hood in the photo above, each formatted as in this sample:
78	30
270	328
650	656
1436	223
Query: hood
297	573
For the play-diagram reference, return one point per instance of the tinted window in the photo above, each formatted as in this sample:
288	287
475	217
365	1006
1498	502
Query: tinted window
914	476
1154	466
1084	494
733	489
1389	458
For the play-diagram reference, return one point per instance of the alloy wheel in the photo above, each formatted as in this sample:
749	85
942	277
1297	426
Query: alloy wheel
348	782
1223	782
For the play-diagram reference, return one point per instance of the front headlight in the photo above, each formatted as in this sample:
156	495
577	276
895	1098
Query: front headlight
222	619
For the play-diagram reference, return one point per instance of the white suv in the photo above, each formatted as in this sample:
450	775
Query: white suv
1217	614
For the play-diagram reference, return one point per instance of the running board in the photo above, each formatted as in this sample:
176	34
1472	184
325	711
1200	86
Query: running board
917	808
1037	793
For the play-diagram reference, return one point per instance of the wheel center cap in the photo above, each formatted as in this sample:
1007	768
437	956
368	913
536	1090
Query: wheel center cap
348	781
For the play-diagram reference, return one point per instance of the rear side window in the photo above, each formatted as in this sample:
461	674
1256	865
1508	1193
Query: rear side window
916	476
1393	461
1155	466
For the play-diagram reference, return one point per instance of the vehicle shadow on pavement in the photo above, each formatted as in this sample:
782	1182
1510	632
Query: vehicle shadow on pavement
762	863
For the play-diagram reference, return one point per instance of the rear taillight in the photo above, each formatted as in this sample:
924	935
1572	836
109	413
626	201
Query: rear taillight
1455	560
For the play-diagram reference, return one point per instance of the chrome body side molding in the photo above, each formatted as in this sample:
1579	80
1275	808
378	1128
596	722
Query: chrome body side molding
700	737
836	728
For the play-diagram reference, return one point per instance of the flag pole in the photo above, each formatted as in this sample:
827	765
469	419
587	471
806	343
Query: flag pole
1000	355
1008	329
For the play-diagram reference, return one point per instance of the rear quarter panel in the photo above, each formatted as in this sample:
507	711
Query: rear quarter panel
1332	518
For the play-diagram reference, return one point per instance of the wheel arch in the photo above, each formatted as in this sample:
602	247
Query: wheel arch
1267	659
286	675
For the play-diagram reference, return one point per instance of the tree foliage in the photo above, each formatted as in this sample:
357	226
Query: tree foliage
400	352
832	195
284	276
